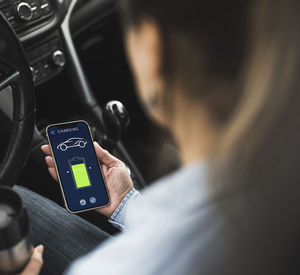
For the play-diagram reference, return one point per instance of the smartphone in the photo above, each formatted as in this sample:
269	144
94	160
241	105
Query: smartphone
77	166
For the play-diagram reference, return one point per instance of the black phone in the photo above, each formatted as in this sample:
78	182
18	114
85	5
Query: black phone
77	166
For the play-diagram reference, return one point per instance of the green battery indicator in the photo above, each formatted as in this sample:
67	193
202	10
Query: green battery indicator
80	175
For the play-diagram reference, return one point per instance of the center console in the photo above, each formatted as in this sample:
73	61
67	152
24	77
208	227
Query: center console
46	60
24	15
37	23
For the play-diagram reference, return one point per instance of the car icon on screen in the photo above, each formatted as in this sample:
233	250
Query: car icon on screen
72	142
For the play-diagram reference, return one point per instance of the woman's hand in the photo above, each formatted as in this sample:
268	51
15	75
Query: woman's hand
115	173
35	264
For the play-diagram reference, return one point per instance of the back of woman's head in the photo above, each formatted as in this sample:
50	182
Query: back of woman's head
203	44
240	59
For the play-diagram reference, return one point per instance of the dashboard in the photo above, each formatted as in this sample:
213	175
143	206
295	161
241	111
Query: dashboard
38	24
24	15
44	29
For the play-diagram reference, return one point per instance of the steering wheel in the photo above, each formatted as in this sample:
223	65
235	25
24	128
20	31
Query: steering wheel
15	72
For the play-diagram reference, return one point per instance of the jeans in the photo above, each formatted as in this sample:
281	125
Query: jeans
65	236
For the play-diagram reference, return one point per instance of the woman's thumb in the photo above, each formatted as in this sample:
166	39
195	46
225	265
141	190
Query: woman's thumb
104	156
35	264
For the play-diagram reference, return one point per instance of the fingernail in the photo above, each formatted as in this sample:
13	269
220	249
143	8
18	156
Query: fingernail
40	249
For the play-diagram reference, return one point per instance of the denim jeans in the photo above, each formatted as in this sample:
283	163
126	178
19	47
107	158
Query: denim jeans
65	236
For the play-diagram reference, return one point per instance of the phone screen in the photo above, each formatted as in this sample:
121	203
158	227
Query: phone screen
77	166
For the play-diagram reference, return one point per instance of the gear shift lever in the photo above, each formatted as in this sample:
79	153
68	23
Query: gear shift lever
115	119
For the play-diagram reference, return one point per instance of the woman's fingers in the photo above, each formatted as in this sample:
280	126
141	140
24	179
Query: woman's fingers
51	167
50	162
104	156
35	263
53	173
46	149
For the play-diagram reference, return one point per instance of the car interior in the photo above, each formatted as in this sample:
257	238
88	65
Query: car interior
64	60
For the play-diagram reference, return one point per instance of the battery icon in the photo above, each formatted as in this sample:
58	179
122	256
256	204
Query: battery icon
79	172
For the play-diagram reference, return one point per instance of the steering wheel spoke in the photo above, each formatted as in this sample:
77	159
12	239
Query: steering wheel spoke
8	79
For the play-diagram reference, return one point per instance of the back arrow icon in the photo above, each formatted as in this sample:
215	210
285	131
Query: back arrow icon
52	132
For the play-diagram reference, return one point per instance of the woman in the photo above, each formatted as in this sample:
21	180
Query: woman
222	76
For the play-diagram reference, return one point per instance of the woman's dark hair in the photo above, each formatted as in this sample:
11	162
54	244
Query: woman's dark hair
241	59
207	39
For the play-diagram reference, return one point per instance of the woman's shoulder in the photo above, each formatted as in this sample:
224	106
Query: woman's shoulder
173	195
